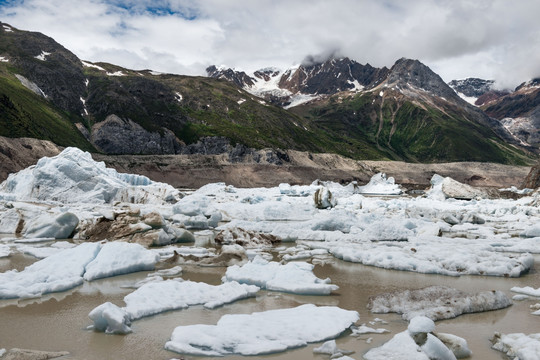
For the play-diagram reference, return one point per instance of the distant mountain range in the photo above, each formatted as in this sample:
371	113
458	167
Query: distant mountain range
406	112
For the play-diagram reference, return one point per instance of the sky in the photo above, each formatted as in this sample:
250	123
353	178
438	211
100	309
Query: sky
490	39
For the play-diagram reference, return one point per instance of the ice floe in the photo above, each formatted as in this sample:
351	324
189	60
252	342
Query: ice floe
330	348
437	302
433	255
67	269
363	329
518	345
419	343
5	251
293	277
55	273
160	296
74	177
262	332
527	290
118	258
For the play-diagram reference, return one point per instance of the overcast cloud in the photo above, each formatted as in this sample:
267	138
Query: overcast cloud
492	39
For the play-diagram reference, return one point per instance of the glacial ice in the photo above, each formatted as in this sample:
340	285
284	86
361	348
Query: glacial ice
293	277
527	290
417	343
437	302
363	329
433	255
330	348
55	273
116	258
46	226
67	269
379	184
262	332
74	177
518	345
5	251
159	296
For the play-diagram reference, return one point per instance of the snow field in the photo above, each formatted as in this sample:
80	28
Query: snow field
158	296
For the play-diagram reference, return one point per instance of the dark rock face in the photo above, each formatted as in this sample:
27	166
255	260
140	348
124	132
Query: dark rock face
240	78
472	87
529	84
327	77
216	145
520	110
117	136
407	72
331	76
210	145
54	69
490	96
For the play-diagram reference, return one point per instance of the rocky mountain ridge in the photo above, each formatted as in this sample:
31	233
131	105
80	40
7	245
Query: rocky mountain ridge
121	111
289	87
519	112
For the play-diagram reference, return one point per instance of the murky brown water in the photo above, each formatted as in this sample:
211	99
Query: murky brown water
59	321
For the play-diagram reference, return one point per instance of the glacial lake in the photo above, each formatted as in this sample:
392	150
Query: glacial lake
58	322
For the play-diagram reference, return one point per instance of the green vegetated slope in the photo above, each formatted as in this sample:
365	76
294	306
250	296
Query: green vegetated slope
26	114
410	131
194	107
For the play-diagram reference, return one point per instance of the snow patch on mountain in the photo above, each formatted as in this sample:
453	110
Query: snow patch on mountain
31	86
43	55
90	65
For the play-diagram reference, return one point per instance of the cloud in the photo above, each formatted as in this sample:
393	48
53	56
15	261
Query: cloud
485	38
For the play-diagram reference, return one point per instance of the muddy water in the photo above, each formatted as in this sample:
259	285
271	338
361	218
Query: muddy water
58	322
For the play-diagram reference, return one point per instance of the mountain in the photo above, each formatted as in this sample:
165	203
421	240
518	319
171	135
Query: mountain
519	112
413	115
476	91
304	82
46	92
336	106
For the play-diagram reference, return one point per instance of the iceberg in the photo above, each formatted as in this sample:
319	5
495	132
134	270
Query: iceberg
379	184
159	296
293	277
262	332
74	177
